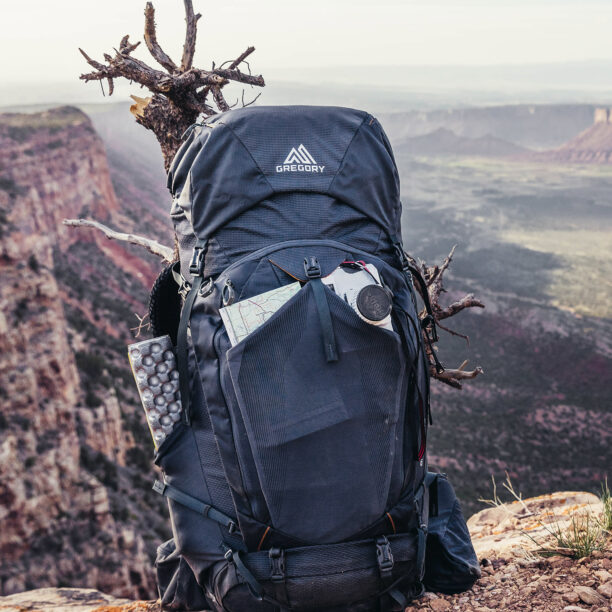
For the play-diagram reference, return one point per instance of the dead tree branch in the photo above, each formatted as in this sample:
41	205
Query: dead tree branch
150	36
179	92
190	36
434	280
165	252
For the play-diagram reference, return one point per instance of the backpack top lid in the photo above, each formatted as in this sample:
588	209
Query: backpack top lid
241	157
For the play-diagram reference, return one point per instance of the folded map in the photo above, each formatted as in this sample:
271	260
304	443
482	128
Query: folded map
242	318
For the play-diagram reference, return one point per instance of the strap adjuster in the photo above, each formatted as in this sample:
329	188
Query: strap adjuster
231	526
277	562
196	265
159	487
384	556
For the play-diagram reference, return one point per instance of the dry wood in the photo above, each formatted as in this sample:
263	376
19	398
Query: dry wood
165	252
150	36
179	93
190	36
434	279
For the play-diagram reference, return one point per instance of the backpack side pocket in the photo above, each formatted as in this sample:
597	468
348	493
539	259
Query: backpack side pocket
178	588
451	565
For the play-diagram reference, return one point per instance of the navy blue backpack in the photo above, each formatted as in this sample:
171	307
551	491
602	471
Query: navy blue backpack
296	479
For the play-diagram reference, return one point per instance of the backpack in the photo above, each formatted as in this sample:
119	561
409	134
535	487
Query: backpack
296	477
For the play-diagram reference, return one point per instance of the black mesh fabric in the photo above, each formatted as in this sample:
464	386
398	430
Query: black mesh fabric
305	417
292	216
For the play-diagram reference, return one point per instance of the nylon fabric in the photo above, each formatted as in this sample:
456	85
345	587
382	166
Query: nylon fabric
236	165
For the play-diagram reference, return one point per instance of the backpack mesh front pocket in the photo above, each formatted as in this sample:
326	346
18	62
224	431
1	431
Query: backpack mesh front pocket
323	435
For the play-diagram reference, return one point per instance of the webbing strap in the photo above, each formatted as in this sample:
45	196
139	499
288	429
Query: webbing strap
329	339
429	320
245	572
399	598
421	543
194	504
182	351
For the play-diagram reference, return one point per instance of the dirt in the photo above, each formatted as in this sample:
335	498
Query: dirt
539	584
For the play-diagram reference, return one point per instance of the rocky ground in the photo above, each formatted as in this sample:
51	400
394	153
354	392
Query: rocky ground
514	575
545	585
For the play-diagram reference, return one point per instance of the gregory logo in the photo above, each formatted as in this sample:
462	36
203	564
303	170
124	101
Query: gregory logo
299	160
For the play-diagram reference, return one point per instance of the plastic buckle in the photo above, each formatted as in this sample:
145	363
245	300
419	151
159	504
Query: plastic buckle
277	562
159	487
196	265
312	267
231	527
384	556
229	555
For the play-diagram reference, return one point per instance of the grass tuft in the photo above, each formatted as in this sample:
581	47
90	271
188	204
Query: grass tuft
582	537
606	500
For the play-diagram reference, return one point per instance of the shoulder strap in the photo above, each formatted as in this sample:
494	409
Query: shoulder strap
196	268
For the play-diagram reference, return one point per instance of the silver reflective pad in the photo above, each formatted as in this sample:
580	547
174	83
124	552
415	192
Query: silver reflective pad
154	366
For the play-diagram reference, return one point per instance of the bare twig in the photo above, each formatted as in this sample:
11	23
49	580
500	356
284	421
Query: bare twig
468	301
150	36
166	253
143	324
460	373
219	99
241	58
190	36
498	503
245	104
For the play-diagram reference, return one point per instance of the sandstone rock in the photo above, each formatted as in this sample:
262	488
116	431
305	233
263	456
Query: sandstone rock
605	589
496	531
588	595
70	600
571	597
603	575
439	605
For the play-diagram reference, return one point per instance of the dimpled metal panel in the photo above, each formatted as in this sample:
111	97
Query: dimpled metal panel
154	366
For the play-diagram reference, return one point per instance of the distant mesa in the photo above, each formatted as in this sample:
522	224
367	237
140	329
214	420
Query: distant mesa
592	146
444	141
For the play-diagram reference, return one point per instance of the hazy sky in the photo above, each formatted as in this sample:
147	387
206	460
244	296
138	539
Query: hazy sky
39	39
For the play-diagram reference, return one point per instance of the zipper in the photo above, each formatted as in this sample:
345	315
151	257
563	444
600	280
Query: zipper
288	243
414	370
423	445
